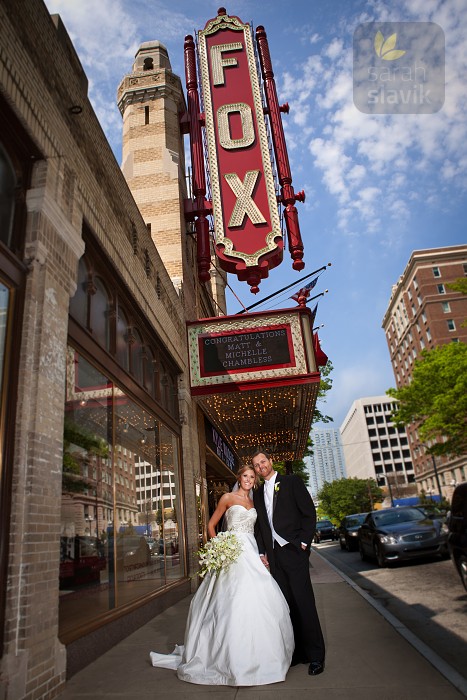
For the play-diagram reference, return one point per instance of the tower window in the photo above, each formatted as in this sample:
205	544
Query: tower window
148	64
146	115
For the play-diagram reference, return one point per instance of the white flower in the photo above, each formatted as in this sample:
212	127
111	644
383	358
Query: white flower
219	553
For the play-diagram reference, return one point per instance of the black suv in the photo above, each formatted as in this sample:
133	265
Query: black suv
348	531
457	538
325	530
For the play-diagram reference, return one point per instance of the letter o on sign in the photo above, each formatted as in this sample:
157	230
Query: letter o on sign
246	118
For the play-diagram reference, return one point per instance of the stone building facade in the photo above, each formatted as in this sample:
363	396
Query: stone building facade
423	313
95	290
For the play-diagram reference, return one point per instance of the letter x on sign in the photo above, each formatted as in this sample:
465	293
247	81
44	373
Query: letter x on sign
244	206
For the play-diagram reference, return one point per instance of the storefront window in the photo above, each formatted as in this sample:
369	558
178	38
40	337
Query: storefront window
120	499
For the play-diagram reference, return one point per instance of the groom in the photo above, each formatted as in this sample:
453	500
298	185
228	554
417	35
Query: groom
285	526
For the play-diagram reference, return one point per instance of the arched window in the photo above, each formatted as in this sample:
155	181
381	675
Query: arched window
99	317
7	197
148	371
137	356
79	302
122	344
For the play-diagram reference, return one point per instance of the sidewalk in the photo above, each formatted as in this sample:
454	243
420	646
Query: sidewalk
369	655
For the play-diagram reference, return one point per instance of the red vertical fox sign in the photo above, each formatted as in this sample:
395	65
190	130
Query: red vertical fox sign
247	226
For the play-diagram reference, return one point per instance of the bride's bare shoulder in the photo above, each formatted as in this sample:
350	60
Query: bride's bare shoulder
227	499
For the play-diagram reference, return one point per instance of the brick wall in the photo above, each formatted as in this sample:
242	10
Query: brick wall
77	180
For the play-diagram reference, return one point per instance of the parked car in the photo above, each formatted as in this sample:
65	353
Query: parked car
154	547
457	538
401	533
82	558
325	530
348	531
133	551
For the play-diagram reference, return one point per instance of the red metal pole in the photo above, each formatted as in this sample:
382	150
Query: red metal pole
203	255
288	196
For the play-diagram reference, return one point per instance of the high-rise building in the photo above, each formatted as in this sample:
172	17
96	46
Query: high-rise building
423	312
375	449
327	461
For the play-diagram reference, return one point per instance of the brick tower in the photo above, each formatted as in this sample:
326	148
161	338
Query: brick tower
151	101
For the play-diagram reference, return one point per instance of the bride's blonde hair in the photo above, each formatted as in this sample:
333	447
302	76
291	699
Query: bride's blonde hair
243	469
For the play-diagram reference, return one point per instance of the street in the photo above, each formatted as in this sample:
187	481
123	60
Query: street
426	596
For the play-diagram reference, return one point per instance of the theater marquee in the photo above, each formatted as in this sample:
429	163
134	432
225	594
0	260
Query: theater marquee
228	353
256	376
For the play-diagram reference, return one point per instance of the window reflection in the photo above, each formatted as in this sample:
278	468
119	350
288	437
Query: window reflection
4	302
120	499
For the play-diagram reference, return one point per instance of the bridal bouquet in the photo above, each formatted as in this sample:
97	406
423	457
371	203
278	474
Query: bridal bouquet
219	553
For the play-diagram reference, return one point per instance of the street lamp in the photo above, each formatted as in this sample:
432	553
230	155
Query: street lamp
435	469
385	476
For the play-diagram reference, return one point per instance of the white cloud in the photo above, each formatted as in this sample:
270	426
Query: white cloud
353	149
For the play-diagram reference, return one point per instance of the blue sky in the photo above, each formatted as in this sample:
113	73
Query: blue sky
378	186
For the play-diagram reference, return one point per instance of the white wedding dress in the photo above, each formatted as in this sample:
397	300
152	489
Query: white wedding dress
238	630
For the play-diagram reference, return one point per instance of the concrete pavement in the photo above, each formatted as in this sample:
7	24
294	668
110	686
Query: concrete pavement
370	655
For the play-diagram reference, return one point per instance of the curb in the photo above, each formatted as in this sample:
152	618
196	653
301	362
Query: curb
458	681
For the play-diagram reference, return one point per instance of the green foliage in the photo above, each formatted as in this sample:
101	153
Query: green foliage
78	435
73	434
459	285
436	399
324	386
298	468
347	496
426	500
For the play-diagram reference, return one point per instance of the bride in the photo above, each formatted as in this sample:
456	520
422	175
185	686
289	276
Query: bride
238	630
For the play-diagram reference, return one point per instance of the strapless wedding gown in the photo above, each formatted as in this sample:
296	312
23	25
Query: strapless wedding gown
238	630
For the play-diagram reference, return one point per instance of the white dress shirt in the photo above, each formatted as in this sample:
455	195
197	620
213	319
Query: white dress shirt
268	501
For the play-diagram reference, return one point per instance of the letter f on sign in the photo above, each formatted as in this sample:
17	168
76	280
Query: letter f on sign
244	206
219	63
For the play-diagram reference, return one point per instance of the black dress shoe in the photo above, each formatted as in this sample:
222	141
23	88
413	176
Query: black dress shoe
315	668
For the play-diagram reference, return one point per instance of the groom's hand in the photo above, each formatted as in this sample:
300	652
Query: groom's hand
264	559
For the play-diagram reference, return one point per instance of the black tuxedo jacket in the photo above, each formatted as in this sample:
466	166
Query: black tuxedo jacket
294	514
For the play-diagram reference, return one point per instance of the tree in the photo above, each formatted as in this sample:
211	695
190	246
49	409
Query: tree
347	496
76	436
325	385
459	285
436	399
298	468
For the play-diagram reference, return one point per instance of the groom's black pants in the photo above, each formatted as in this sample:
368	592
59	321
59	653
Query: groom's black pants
292	573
